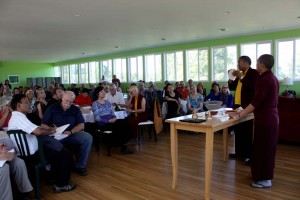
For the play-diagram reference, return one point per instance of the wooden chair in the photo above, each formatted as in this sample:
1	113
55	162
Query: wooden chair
22	147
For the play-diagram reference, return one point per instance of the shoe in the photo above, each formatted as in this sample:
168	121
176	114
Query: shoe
66	188
234	155
126	150
248	161
262	184
82	171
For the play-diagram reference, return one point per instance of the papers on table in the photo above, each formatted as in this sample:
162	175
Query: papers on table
6	156
59	132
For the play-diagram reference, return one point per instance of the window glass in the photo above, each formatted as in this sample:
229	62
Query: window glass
223	59
65	74
120	69
254	50
153	67
285	59
136	68
94	72
74	73
84	73
197	64
106	69
57	71
174	66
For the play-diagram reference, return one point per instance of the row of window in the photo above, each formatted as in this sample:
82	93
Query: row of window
186	64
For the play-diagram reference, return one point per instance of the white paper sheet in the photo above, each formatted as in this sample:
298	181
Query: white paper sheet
59	132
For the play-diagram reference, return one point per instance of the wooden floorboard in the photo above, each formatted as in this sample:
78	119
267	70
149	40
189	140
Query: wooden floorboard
147	174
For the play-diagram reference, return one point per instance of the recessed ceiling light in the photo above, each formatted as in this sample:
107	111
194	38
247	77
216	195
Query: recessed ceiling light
116	47
77	15
298	17
223	29
163	39
82	53
226	13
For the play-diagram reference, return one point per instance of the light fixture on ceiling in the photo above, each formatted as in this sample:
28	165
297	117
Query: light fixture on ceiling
82	53
163	39
223	29
116	47
226	13
77	15
298	17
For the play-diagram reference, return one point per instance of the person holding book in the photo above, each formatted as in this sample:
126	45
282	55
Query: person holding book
65	112
59	157
14	167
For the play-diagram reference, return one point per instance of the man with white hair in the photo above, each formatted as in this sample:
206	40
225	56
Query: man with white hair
63	113
114	97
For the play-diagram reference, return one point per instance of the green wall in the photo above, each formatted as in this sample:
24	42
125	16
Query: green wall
25	70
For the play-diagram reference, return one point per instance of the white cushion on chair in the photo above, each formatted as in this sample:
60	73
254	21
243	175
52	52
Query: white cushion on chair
149	122
107	132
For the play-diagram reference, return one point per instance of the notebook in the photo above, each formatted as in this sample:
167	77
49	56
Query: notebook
192	120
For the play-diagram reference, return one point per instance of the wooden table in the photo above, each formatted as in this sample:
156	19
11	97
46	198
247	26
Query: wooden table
208	127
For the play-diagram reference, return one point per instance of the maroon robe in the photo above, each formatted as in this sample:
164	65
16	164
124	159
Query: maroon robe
266	126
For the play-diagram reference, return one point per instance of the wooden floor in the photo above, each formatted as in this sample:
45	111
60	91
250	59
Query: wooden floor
147	174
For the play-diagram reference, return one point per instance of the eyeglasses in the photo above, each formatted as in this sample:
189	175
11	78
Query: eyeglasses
131	91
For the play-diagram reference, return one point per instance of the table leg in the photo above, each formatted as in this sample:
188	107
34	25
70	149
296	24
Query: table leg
208	161
174	153
225	141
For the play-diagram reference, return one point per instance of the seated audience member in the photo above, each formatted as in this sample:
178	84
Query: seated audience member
7	84
190	83
226	97
214	95
107	121
31	99
114	97
66	113
165	89
84	98
5	114
106	87
56	96
152	87
40	104
201	90
173	102
16	169
16	91
59	157
20	89
195	101
142	88
31	115
116	80
136	105
1	89
183	91
49	92
119	89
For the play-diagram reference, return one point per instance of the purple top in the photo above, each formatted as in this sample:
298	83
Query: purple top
103	112
266	99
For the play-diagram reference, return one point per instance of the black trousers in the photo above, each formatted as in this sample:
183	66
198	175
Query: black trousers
121	132
243	139
61	164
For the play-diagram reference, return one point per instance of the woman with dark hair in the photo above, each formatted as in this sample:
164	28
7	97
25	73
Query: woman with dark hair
214	94
201	90
6	83
173	102
107	121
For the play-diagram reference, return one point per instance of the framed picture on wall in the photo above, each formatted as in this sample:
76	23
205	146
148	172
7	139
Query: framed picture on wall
13	79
